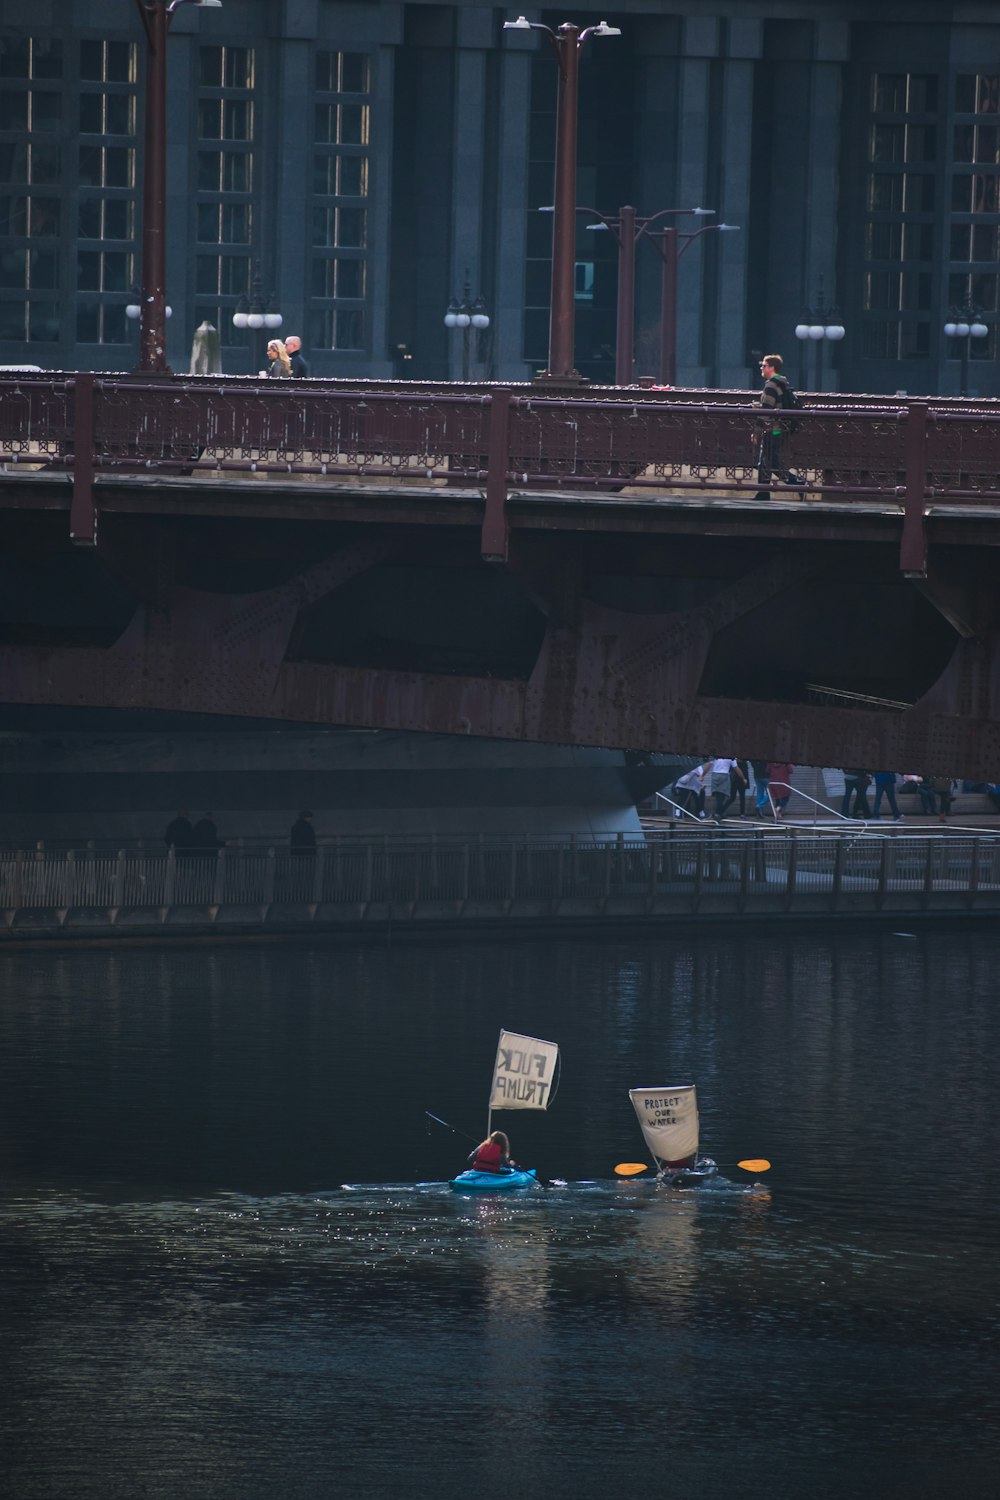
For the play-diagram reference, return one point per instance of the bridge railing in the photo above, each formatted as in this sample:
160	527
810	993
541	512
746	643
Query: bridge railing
850	446
767	873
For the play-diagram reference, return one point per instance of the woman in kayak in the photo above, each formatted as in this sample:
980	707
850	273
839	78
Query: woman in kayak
492	1155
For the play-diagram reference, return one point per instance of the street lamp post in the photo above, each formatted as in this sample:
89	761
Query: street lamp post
965	323
567	44
256	312
819	325
671	247
628	230
466	315
156	18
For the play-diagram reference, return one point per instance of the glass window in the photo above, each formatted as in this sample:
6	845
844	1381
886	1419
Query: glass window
43	322
92	114
353	125
353	176
45	163
884	241
14	320
46	110
45	217
15	57
351	227
47	57
13	161
349	328
14	268
88	270
985	196
13	109
350	278
885	192
13	214
43	270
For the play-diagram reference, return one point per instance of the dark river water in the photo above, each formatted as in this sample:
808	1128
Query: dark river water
231	1268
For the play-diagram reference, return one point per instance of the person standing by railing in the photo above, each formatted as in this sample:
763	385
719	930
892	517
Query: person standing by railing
178	834
303	835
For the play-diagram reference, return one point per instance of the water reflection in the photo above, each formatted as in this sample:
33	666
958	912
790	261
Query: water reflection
192	1297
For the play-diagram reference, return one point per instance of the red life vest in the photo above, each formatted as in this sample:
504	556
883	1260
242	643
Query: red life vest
488	1157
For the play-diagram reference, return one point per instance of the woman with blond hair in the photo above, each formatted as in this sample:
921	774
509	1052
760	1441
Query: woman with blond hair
281	365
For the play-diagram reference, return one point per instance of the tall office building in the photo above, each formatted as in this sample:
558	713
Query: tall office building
353	166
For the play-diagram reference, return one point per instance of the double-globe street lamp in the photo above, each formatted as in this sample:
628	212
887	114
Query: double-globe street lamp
467	315
156	18
820	325
256	312
567	44
965	323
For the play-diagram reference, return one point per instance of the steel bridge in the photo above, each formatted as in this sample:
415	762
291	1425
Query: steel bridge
591	568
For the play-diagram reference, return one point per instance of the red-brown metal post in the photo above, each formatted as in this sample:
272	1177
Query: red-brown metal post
83	511
913	548
493	544
562	313
668	309
625	336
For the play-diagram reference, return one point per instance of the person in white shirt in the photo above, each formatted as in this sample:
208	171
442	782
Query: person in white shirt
723	772
689	789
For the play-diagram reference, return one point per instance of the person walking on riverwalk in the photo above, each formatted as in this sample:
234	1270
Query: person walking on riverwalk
759	768
885	786
856	783
943	789
689	789
739	781
722	788
779	785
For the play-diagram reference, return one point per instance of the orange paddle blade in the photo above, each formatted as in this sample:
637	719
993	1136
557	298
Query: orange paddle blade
630	1168
755	1164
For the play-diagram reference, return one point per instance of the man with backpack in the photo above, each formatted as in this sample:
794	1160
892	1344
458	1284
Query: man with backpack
776	396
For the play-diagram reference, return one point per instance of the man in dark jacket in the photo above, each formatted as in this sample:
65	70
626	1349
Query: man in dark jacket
303	835
178	834
293	348
767	439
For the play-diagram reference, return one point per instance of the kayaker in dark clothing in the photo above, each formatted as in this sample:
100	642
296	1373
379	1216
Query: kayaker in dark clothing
492	1155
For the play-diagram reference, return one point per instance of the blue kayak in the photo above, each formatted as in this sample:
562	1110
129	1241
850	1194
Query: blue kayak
493	1182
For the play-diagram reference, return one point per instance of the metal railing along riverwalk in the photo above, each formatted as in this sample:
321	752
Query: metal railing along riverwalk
770	872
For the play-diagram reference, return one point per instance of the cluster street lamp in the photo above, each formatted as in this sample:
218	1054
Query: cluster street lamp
257	311
156	18
671	247
628	230
819	325
567	44
466	315
965	323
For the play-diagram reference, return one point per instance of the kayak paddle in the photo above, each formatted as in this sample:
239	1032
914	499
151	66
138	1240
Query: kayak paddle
633	1168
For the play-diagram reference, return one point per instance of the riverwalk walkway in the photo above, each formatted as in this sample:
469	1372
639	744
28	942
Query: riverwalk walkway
681	872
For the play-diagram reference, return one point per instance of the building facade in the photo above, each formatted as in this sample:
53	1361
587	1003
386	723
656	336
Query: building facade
354	166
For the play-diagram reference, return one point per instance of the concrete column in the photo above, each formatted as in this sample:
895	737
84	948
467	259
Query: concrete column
512	211
700	44
736	130
468	158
